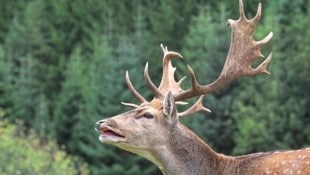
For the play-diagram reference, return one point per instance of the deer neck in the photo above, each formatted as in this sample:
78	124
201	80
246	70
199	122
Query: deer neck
186	154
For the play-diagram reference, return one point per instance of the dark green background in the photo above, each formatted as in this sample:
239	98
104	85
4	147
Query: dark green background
62	66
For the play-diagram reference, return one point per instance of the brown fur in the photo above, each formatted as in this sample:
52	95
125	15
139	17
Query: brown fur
176	150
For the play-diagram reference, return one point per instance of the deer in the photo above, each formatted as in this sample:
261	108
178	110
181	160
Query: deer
152	129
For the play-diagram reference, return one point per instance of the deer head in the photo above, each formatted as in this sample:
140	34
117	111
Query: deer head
141	129
152	128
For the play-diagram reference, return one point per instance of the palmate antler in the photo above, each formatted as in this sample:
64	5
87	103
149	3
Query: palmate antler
243	51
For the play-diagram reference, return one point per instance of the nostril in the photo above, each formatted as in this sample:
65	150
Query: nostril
98	124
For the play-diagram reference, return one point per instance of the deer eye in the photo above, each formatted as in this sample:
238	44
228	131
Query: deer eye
148	115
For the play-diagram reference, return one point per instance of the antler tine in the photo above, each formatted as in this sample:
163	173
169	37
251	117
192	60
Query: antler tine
243	51
168	82
261	43
181	81
258	14
163	48
138	96
169	54
195	84
262	68
130	105
198	106
241	10
150	83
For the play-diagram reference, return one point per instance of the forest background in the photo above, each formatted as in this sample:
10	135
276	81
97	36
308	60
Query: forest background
62	66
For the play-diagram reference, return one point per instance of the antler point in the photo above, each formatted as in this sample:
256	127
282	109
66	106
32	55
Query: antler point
130	104
262	68
271	33
150	83
206	110
259	8
241	10
133	90
264	41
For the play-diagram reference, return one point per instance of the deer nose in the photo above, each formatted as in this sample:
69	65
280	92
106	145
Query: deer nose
98	125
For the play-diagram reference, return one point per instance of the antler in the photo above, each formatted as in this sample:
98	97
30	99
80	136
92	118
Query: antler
168	82
198	106
133	91
243	51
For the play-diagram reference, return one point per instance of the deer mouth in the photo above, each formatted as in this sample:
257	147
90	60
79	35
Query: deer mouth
109	135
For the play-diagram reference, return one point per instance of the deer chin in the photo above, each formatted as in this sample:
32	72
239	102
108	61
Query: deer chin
109	135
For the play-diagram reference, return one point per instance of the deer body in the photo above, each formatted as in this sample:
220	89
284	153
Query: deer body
179	151
152	129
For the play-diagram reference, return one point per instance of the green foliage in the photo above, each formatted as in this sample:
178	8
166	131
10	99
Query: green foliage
62	66
8	10
22	154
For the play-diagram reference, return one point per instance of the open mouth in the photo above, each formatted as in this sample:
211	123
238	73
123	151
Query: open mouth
109	132
109	135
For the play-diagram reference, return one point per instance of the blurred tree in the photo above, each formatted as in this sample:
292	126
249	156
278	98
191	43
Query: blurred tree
22	154
62	66
77	104
24	95
5	76
8	11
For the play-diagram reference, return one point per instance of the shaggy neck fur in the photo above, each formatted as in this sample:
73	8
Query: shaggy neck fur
186	154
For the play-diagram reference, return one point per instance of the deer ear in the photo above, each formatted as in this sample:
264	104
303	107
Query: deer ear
169	108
